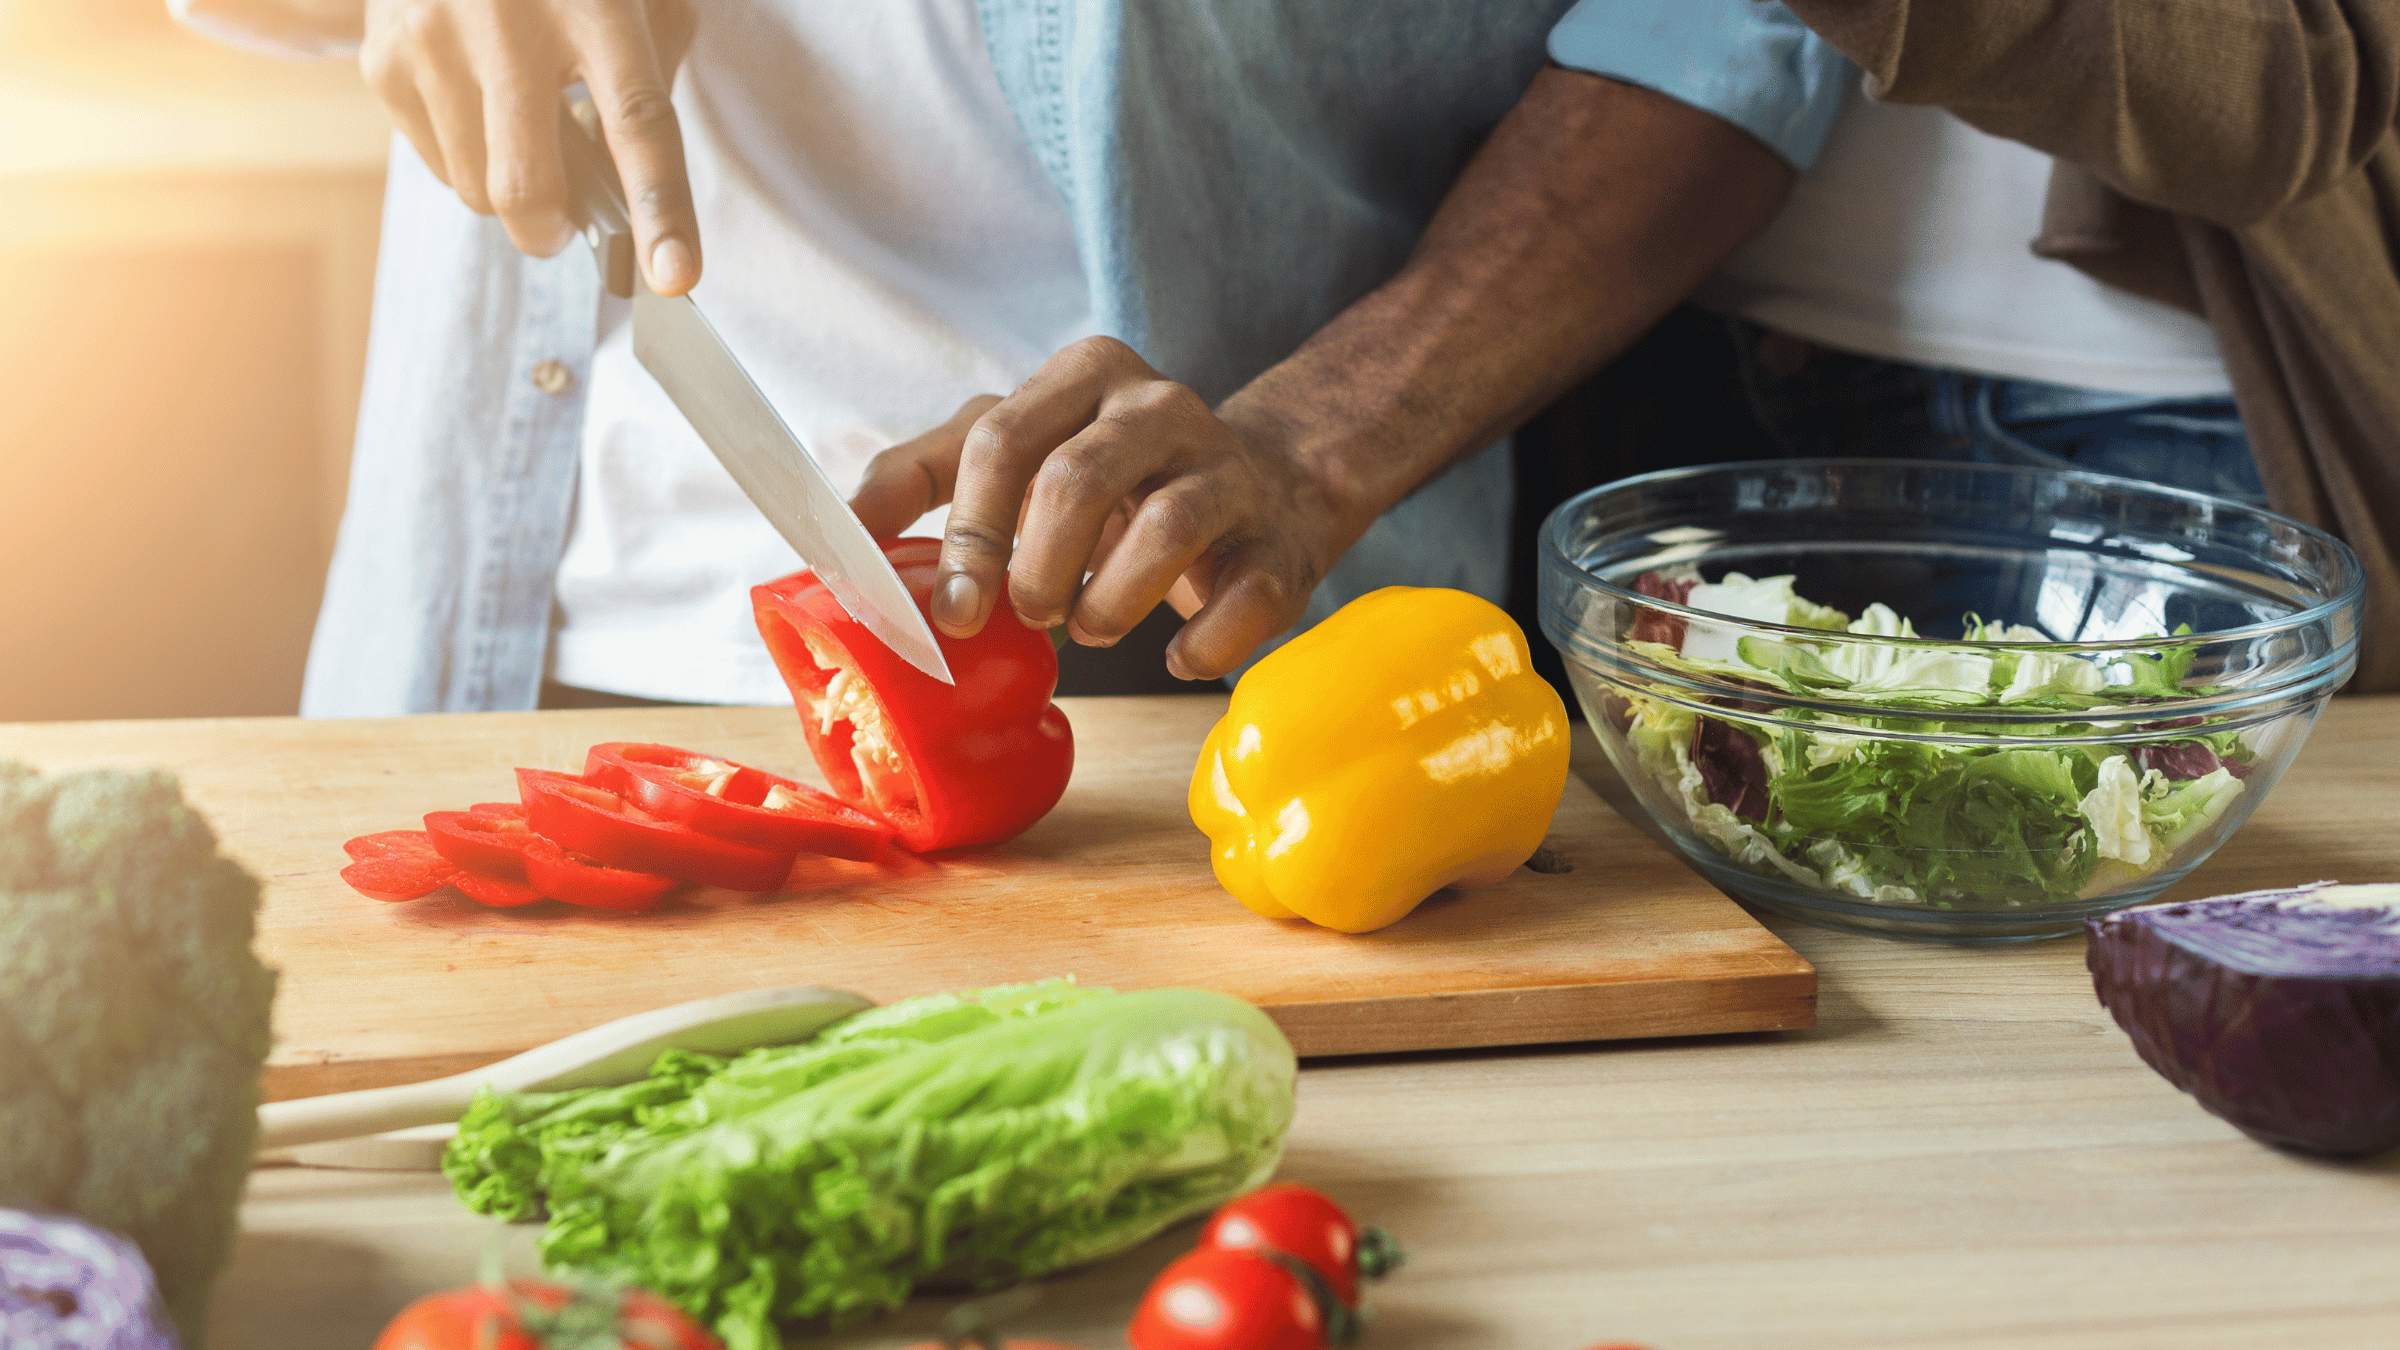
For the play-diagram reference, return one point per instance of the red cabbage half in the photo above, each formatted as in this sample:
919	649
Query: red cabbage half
66	1285
2279	1010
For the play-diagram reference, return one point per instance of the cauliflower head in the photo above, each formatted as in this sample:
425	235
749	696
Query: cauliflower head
133	1019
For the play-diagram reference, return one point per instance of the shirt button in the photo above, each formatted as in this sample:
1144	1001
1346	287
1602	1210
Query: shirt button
553	377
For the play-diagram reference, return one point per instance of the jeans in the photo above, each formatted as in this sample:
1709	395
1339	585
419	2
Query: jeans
1702	388
1815	401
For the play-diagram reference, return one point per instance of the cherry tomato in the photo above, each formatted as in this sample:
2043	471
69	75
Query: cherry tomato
1221	1298
1304	1222
537	1315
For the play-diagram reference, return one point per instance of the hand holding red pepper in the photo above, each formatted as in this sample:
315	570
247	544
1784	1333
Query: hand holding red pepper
1101	466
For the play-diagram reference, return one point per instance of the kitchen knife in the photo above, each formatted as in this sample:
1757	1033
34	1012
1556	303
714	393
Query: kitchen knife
675	343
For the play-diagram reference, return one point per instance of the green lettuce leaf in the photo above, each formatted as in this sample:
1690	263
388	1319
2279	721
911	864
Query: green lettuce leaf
2184	809
2043	676
1795	667
2160	675
974	1139
1939	822
1992	826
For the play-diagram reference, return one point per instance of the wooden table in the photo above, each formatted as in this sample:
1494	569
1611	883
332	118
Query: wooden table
1963	1153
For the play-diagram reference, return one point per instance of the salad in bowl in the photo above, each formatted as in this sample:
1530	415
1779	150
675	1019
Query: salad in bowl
2002	777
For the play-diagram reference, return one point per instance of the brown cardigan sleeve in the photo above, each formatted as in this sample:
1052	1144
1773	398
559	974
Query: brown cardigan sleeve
2266	128
2227	110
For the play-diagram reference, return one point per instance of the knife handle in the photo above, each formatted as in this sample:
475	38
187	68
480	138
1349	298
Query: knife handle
597	200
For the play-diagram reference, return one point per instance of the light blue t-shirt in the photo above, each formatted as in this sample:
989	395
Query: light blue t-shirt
1751	63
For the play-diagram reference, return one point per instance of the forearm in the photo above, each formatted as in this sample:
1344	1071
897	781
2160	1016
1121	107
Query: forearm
1594	208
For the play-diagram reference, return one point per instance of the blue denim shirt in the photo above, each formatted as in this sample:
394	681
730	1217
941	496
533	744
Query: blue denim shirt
1237	171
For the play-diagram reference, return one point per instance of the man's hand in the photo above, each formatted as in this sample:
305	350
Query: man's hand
1592	210
475	85
1101	464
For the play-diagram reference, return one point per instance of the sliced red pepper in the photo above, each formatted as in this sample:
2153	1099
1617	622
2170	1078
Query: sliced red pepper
404	865
583	818
950	765
493	842
482	840
734	801
495	892
396	865
578	880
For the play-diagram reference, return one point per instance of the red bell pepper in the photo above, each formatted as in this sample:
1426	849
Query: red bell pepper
396	865
583	818
482	839
493	840
404	865
734	801
951	766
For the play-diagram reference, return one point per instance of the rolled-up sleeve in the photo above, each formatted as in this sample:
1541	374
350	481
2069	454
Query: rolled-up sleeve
1752	64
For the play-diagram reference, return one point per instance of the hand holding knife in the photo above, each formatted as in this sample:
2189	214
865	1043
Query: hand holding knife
676	345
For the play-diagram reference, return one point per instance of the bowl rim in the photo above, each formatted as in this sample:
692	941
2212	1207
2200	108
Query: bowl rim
2350	595
2114	724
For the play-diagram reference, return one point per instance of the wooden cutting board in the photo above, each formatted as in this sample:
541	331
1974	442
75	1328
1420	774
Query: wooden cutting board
1113	888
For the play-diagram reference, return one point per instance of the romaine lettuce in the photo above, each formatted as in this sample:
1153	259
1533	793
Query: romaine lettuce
973	1139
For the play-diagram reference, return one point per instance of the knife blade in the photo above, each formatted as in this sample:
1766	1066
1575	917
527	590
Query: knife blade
675	343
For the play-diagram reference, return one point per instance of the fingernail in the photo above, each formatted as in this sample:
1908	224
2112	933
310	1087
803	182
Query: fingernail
957	601
1175	667
1085	637
671	266
1031	622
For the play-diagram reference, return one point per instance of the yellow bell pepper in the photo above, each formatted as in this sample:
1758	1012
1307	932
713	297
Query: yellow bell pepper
1403	745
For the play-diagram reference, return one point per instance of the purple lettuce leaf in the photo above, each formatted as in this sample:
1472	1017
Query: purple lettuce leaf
1732	770
66	1285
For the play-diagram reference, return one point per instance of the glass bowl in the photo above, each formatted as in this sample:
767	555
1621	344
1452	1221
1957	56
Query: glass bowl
1952	701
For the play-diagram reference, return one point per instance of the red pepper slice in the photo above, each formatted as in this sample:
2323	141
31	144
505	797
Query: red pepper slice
396	865
734	801
481	840
404	865
493	840
578	880
495	892
950	765
583	818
